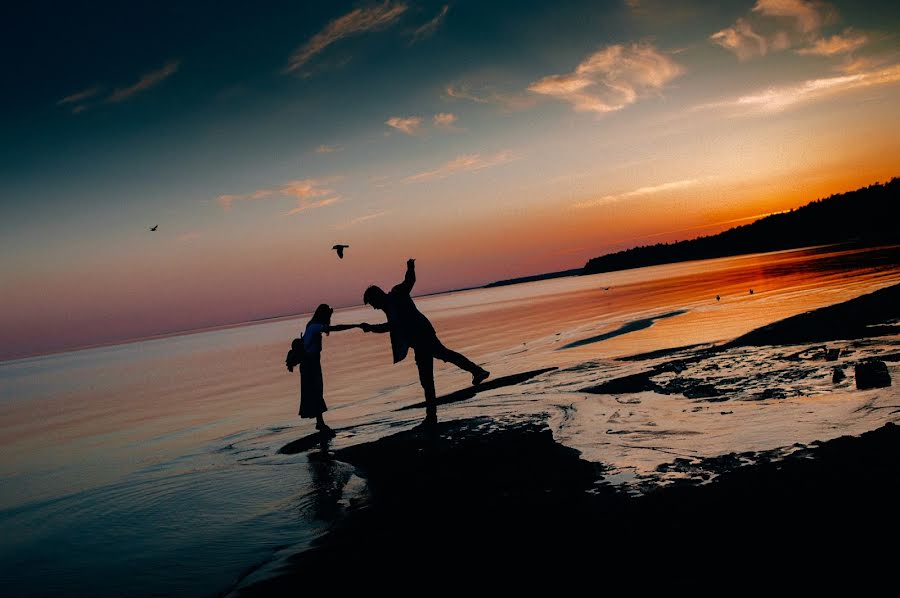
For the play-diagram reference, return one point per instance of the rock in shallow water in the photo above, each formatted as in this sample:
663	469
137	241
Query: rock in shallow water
838	374
872	374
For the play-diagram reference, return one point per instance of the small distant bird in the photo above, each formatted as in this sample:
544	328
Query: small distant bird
718	298
751	291
154	227
340	250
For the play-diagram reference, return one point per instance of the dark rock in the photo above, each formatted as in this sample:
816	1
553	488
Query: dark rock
872	374
832	354
625	384
838	374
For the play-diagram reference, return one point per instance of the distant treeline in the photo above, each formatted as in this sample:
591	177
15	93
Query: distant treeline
864	215
534	277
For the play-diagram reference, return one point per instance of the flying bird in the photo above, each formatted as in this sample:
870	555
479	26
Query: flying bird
154	227
718	298
340	250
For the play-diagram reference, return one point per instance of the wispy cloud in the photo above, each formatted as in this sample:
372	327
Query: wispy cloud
805	20
841	43
611	79
408	124
430	27
485	95
640	192
328	149
80	96
806	14
304	205
777	99
309	194
189	236
227	200
742	40
360	220
357	21
445	120
146	81
463	163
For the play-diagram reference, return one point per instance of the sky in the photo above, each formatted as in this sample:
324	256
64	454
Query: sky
488	140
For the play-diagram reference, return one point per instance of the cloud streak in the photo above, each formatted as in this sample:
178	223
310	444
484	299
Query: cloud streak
836	44
360	220
507	101
355	22
778	99
611	79
640	192
151	79
80	96
430	27
463	163
308	193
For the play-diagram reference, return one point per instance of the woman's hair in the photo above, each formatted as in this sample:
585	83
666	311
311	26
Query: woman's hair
322	315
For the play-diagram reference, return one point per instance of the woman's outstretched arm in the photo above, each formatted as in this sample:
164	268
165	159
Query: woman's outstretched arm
340	327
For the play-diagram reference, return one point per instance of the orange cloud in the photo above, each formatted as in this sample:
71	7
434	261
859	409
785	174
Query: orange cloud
805	13
409	125
444	120
836	44
612	78
464	163
742	40
309	193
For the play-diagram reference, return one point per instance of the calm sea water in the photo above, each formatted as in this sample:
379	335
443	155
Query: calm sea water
152	467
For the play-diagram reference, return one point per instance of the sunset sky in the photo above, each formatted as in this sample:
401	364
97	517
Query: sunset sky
486	139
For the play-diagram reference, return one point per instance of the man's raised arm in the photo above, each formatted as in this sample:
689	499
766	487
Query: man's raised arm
410	280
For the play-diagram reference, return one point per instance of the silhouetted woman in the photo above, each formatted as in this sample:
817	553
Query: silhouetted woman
312	398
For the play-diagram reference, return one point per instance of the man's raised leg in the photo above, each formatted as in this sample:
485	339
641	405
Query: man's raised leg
479	374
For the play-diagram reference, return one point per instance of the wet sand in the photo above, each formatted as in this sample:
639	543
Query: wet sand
500	500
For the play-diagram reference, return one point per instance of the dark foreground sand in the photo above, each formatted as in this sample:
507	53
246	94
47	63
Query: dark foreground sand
475	500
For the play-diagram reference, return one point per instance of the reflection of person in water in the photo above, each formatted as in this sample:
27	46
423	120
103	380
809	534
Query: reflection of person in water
410	329
312	389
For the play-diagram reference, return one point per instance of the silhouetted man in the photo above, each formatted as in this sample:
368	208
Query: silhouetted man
410	329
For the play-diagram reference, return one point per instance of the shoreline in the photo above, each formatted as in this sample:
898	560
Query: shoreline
485	496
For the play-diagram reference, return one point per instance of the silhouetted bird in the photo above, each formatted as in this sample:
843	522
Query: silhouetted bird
751	291
340	250
154	227
718	298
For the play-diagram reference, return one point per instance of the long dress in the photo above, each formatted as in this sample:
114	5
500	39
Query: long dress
312	387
